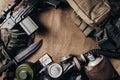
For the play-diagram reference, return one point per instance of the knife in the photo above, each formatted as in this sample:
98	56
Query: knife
54	3
22	55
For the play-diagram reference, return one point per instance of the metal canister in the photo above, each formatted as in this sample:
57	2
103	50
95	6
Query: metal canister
70	64
24	72
99	68
69	60
90	59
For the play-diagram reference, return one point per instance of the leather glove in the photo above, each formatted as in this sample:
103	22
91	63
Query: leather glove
2	51
3	54
13	39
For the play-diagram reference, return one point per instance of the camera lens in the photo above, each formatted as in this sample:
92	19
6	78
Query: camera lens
55	70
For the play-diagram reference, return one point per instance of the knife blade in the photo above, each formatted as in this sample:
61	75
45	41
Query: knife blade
54	3
31	49
22	55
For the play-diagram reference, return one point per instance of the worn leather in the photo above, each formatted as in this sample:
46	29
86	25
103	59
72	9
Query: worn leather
102	71
13	39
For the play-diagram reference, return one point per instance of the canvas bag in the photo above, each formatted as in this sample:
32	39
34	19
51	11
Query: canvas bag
91	11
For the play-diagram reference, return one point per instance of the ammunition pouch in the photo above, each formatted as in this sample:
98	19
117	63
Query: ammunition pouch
91	12
108	39
104	41
84	27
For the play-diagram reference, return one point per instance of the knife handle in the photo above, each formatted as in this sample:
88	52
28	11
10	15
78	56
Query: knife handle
5	67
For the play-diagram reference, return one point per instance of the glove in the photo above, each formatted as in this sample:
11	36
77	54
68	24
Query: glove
13	39
4	57
2	51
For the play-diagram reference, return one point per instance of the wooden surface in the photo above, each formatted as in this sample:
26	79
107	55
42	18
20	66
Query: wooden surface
61	36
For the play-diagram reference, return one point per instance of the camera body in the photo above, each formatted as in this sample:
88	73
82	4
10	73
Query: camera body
71	68
68	69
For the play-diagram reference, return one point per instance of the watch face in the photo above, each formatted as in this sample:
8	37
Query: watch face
55	70
45	60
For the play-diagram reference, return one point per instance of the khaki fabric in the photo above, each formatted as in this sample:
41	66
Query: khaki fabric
60	35
84	27
90	11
